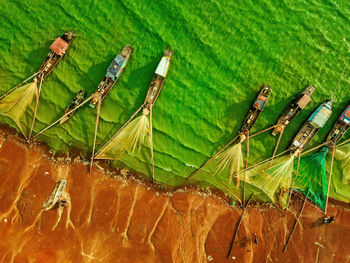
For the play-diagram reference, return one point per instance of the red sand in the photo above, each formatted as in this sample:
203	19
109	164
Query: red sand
122	220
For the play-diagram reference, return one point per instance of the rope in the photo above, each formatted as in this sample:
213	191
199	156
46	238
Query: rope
341	76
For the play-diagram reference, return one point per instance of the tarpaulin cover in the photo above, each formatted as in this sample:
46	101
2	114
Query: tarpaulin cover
59	46
163	67
304	101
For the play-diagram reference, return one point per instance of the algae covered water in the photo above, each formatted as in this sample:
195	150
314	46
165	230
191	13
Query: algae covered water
224	52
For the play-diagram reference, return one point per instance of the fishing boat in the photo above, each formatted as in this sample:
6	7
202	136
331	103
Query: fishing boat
55	195
316	121
293	109
158	78
57	50
15	101
339	128
135	131
72	107
111	77
255	110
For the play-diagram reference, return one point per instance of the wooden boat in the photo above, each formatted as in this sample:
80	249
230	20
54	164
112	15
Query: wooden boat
158	79
316	121
111	77
133	133
255	110
55	195
339	128
293	109
57	51
73	104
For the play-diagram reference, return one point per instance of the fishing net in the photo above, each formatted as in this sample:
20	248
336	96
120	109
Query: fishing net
231	159
342	154
129	139
15	104
271	177
311	179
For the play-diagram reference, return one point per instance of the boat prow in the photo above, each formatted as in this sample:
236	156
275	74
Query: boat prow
340	127
55	195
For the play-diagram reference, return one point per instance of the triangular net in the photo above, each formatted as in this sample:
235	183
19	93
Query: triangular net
15	104
230	159
311	179
342	154
129	139
271	177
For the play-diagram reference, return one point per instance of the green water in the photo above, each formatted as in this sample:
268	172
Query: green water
224	52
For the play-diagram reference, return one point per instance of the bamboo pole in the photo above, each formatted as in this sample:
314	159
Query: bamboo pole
246	166
295	225
96	127
330	179
237	227
64	115
151	141
276	147
35	109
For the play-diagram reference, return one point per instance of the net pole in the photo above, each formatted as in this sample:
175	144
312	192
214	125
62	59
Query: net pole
330	179
95	135
295	225
237	227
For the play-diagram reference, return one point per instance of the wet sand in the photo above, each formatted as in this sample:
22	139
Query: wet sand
120	219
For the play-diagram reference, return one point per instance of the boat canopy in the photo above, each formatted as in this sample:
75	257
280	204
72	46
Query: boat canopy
304	100
163	67
116	67
319	118
260	102
59	46
347	115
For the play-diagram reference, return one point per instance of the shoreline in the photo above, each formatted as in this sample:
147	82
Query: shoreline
118	218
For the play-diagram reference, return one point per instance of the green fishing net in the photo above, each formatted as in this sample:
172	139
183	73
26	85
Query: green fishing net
311	178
